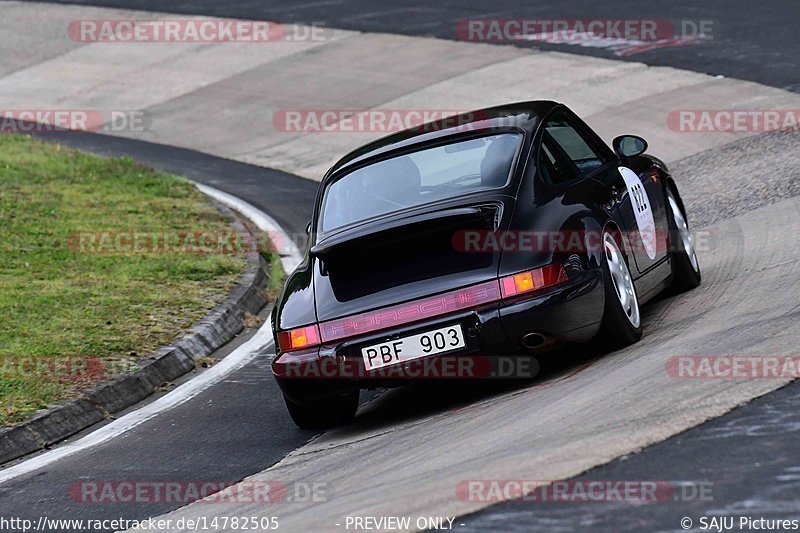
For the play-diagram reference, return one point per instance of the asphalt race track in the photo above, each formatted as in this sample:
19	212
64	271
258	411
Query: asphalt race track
750	40
590	416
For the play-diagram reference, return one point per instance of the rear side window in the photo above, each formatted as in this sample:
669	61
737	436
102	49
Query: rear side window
561	138
554	165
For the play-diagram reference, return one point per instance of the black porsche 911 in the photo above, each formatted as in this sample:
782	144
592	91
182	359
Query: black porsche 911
502	231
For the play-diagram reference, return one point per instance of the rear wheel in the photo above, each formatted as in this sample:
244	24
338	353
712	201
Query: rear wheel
685	267
622	322
324	413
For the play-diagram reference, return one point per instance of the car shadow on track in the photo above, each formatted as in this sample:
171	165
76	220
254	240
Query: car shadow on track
415	401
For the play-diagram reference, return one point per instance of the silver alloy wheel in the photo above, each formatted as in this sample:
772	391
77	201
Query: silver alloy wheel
683	231
622	279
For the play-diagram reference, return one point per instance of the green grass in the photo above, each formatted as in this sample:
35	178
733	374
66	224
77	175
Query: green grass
57	302
277	277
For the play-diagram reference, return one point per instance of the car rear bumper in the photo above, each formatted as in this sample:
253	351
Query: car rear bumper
569	312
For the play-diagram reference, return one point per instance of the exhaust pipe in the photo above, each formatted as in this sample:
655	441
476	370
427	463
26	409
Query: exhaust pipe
533	340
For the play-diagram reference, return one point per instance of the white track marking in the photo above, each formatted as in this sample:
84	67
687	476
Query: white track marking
234	361
287	249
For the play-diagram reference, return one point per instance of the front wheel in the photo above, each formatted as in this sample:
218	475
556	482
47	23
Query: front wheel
622	322
685	267
324	413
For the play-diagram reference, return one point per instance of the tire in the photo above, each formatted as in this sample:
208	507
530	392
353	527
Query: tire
683	257
324	413
622	322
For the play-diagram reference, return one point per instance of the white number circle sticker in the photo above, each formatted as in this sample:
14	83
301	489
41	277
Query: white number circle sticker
641	208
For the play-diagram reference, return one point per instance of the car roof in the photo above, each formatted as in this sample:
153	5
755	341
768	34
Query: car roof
523	115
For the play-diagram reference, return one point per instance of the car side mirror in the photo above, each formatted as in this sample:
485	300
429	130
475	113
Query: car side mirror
629	145
308	228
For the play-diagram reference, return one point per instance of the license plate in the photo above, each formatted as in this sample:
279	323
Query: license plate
413	347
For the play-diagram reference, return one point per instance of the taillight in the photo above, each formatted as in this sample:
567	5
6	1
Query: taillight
397	315
442	304
299	338
533	280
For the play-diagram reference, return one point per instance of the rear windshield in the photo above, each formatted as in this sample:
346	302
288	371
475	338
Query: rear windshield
419	178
